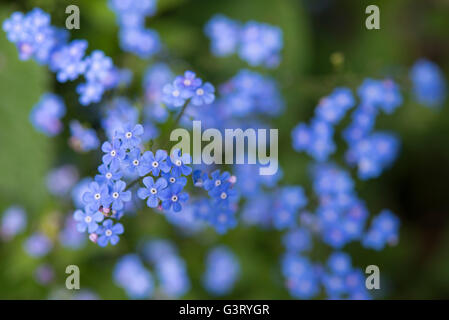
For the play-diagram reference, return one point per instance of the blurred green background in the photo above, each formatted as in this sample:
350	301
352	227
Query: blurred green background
326	45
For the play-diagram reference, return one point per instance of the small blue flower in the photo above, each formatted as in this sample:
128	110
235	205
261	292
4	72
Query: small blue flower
174	179
178	163
98	195
119	195
90	92
87	220
429	84
203	95
222	219
68	63
82	139
216	180
114	152
152	191
188	84
98	67
172	96
108	174
224	195
134	162
109	233
172	197
47	113
130	136
155	163
339	263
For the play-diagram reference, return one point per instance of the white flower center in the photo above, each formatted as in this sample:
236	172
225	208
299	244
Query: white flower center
172	180
136	162
174	198
187	82
155	164
223	195
178	163
129	135
108	232
113	153
97	196
109	175
217	183
176	93
115	195
153	190
200	92
88	219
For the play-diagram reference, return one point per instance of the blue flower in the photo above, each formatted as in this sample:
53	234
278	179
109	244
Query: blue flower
38	245
216	180
47	113
82	139
68	63
130	136
155	164
222	271
98	67
203	95
172	179
172	96
224	195
298	240
224	35
178	163
188	84
13	221
114	152
222	219
429	84
172	197
87	220
119	195
130	274
109	233
339	263
98	195
152	191
90	91
108	174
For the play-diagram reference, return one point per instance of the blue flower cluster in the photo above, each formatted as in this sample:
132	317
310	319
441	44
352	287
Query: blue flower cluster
220	209
107	195
188	88
256	43
341	216
170	268
222	271
429	85
36	38
134	37
371	152
131	275
317	138
47	113
83	139
170	281
384	230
